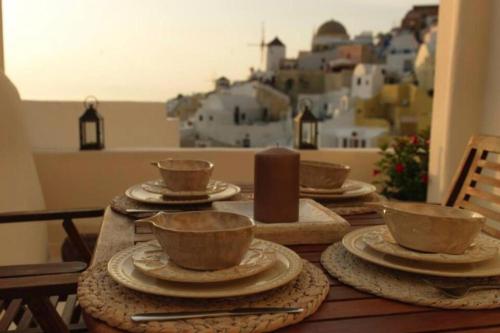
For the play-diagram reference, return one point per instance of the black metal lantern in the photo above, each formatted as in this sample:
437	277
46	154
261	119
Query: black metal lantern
306	127
91	126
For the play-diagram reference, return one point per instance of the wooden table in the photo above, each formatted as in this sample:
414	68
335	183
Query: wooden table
344	310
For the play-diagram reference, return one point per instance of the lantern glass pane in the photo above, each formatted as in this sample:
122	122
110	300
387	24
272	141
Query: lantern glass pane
90	133
101	133
308	133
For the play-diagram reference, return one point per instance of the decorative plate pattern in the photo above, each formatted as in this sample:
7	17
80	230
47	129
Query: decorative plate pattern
402	286
347	186
380	239
113	304
136	192
360	190
353	242
150	259
158	186
288	265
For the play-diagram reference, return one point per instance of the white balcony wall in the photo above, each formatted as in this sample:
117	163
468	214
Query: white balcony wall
54	124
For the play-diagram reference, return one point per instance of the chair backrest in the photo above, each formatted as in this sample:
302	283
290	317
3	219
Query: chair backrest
476	185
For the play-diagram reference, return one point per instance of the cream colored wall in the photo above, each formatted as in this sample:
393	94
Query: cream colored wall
20	243
465	85
490	120
54	125
94	178
2	67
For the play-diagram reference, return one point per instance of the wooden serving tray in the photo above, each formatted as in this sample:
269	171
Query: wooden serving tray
317	224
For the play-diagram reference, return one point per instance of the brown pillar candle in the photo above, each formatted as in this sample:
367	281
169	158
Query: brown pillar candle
276	181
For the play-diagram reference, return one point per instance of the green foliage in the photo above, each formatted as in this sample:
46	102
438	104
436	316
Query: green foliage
402	170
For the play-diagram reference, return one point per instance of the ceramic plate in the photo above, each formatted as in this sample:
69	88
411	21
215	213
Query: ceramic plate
353	242
347	186
137	193
380	239
150	259
287	267
360	189
158	187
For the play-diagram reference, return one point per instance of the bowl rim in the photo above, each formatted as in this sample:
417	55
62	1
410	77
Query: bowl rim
207	164
330	165
250	225
397	206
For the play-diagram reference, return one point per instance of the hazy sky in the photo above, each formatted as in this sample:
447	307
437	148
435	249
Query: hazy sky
151	50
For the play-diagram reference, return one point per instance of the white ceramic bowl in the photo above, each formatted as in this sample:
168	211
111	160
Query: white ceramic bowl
205	240
185	175
432	228
323	175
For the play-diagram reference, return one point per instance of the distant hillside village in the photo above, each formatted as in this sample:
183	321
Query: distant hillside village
362	90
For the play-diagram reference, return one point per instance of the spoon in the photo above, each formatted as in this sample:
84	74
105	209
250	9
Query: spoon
462	291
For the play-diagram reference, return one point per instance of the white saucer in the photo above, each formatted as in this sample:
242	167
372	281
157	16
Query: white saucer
138	193
359	189
347	186
353	242
381	240
157	186
150	259
287	267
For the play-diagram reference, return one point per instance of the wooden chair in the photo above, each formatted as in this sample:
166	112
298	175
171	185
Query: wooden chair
41	297
476	185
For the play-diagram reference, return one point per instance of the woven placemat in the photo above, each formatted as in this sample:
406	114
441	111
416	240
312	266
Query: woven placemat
402	286
104	299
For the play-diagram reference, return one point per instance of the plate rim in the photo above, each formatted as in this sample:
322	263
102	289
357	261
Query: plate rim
377	259
259	270
328	191
364	189
185	194
428	259
119	258
230	191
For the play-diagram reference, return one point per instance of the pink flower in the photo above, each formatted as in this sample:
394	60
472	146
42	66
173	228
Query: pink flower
399	168
414	139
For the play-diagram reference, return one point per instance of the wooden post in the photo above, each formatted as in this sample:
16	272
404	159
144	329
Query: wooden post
46	315
76	240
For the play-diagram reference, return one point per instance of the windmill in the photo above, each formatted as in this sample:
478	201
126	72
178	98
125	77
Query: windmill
262	44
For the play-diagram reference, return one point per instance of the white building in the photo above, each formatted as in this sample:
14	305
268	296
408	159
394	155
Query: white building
341	130
338	126
315	60
325	106
400	54
425	63
365	37
276	51
235	117
367	80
